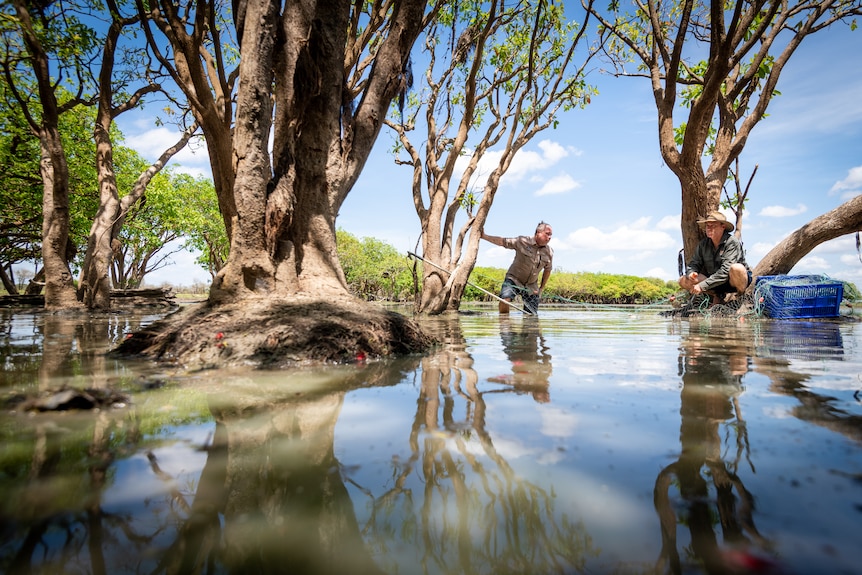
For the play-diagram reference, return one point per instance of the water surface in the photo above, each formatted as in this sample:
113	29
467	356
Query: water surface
581	441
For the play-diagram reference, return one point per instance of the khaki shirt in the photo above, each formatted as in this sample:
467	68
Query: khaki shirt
530	259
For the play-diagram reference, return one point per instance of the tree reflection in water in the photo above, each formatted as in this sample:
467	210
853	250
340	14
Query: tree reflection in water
475	514
272	475
709	491
278	487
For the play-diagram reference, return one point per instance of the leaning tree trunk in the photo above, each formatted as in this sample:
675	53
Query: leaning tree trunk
845	219
94	283
701	194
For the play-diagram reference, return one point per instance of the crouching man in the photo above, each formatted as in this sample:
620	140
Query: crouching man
718	267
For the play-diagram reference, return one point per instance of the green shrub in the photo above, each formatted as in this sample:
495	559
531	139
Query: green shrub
580	287
375	270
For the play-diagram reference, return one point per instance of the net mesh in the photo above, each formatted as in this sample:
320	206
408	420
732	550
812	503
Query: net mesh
808	296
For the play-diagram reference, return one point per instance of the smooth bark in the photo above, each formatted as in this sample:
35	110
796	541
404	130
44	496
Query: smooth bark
843	220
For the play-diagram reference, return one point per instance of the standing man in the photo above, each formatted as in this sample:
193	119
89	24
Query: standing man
532	255
718	266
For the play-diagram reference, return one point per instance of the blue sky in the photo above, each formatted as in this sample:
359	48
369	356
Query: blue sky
600	181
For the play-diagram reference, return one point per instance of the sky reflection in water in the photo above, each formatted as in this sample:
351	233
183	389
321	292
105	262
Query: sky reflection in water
579	441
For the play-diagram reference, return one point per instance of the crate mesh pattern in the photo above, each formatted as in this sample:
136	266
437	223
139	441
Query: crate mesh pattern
791	297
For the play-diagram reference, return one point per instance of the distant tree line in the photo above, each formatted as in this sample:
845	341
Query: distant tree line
375	270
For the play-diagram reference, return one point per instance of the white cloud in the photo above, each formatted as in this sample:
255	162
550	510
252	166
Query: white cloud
193	159
844	244
525	162
554	152
628	237
558	185
852	182
782	211
760	249
669	223
660	273
811	264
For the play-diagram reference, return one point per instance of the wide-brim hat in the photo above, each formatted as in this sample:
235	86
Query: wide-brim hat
717	217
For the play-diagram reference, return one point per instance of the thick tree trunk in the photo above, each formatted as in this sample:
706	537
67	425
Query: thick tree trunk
283	240
699	197
845	219
282	288
57	249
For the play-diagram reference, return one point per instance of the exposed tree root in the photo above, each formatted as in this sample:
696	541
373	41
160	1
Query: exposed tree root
265	333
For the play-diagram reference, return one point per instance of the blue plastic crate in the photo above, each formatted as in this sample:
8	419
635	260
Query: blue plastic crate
798	296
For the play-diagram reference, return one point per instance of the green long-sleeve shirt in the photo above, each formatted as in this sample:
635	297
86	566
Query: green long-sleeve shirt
714	262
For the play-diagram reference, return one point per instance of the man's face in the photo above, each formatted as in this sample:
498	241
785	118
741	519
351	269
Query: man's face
714	230
544	236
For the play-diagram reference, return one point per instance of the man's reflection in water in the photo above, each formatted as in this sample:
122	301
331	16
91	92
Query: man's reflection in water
531	361
470	509
708	484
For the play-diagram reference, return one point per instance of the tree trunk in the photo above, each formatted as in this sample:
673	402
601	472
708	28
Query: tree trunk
204	79
8	280
57	249
282	288
94	283
845	219
283	239
697	201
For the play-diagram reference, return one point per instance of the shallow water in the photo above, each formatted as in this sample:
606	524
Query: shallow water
582	441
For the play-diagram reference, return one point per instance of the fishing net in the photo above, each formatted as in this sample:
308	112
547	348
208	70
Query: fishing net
687	305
